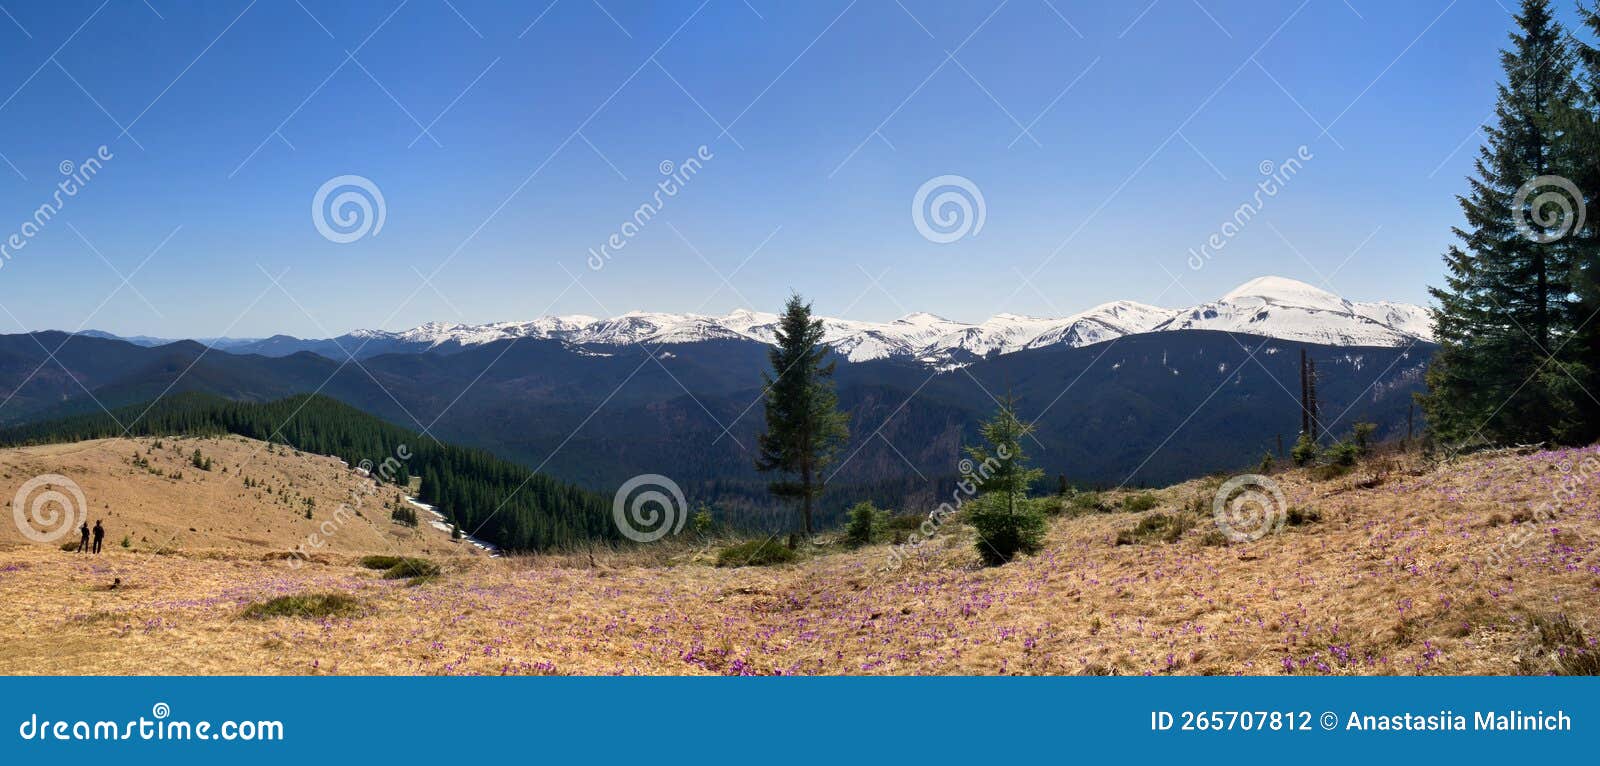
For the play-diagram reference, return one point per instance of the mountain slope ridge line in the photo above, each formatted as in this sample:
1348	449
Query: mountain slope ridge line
1274	307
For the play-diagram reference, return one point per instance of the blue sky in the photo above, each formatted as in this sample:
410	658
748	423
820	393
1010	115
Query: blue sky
1146	125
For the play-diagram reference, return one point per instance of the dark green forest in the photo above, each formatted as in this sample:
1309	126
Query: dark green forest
490	498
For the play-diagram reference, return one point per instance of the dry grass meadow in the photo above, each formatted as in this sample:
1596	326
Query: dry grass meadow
1484	565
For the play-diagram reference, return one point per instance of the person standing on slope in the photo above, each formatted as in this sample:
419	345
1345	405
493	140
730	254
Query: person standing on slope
99	534
83	541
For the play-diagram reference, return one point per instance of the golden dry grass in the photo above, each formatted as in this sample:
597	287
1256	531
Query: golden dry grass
1420	572
169	505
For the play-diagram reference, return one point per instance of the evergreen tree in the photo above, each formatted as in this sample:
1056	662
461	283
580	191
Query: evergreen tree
1580	155
804	425
866	525
1004	520
1502	303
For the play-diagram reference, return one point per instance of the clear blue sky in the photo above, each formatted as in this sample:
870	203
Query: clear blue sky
237	112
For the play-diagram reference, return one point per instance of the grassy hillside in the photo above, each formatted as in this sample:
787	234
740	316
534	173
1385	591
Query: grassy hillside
257	497
1399	567
490	498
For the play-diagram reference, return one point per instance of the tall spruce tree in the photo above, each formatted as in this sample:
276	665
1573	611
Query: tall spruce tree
1503	302
1580	155
804	425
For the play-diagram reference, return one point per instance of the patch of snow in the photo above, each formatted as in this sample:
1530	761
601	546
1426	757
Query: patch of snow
438	521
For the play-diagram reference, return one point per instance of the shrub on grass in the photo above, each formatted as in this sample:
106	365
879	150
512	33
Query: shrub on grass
1140	503
410	568
305	605
1088	502
866	525
401	567
1157	527
704	522
1004	532
1361	434
898	528
755	553
1305	450
910	522
1298	516
1053	505
1330	471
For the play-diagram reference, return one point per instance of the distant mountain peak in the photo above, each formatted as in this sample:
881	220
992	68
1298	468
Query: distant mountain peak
923	318
1286	292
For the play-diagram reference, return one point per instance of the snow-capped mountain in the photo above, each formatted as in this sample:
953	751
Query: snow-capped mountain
1274	307
1291	310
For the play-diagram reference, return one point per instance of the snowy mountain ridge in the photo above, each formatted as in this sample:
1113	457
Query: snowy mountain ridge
1274	307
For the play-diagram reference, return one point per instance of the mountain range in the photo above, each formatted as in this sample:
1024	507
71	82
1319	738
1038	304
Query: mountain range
1120	394
1272	307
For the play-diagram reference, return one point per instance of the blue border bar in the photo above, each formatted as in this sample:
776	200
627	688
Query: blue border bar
793	720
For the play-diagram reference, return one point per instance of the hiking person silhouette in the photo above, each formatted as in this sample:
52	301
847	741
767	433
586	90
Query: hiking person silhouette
99	534
83	543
